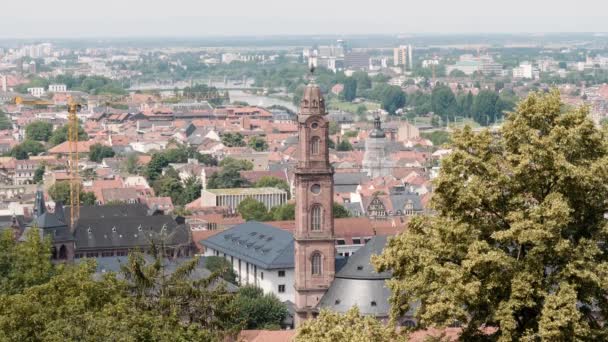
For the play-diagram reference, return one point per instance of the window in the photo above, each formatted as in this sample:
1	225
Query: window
281	274
315	145
340	242
107	254
315	189
281	288
316	218
356	241
316	264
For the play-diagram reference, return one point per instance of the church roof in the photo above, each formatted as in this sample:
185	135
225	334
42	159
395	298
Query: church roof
129	232
358	283
257	243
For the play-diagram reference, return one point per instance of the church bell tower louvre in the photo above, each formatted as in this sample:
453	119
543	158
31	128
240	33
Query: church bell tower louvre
315	249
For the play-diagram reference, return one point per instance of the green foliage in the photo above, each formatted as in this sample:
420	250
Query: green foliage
26	149
192	190
285	212
131	164
38	131
352	326
391	97
487	107
333	128
156	165
23	264
227	178
98	152
206	159
438	138
94	85
60	191
363	80
457	73
272	182
222	267
252	210
339	211
258	310
39	174
258	143
5	122
350	89
344	145
60	135
176	155
169	185
240	165
443	103
518	242
233	139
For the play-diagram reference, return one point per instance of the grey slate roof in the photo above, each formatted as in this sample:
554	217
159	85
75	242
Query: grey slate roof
129	232
108	211
256	243
357	283
350	178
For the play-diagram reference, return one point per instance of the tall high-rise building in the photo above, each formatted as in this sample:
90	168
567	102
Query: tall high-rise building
315	249
403	56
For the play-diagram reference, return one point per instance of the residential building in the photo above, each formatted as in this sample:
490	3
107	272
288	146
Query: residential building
260	255
525	70
403	56
58	88
231	198
36	91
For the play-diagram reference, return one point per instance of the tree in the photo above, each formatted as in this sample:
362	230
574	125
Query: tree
60	191
443	103
156	165
340	211
192	190
233	139
285	212
363	80
518	239
98	152
26	149
131	164
487	107
272	182
39	174
344	145
252	210
221	266
258	144
38	131
207	159
258	310
60	135
23	264
238	164
438	138
350	89
169	185
352	326
457	73
176	155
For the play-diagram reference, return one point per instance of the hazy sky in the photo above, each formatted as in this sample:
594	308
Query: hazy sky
115	18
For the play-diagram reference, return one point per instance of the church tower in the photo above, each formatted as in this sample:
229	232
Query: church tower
375	161
315	250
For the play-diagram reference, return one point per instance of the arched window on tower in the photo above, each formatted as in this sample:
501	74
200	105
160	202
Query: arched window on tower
317	218
316	263
315	145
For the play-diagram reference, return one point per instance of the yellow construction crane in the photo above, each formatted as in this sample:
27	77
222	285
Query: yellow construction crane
73	108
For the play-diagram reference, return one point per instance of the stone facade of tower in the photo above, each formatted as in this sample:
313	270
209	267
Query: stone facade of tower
375	162
315	249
